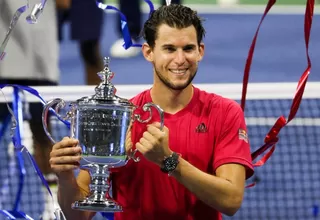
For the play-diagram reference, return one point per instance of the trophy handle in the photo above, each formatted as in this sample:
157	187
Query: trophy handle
147	107
60	103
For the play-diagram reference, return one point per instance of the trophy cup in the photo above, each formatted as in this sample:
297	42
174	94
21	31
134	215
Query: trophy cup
100	122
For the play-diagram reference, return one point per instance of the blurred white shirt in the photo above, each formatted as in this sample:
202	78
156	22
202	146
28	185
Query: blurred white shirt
33	49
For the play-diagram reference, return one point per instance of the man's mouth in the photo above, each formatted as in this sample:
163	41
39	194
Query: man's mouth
178	71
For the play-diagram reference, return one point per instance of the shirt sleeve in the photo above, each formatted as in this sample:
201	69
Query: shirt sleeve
232	144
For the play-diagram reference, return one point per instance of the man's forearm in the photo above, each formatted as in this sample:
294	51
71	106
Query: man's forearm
69	192
216	192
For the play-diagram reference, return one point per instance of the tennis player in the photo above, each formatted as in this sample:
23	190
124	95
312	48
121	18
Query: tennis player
197	166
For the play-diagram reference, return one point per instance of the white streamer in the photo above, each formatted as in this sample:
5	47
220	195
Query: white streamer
36	12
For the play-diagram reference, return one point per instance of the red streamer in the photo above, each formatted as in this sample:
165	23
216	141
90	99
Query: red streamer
272	137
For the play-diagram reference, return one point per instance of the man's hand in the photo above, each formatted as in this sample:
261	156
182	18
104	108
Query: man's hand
154	143
65	156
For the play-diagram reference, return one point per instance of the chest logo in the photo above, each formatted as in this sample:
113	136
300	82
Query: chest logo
201	128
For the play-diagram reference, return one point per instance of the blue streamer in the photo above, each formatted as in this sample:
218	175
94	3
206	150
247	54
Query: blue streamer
124	23
19	148
315	211
151	6
124	26
17	111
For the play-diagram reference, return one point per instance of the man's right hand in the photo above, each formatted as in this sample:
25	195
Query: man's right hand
65	156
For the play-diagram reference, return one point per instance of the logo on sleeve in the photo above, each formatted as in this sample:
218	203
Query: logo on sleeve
243	135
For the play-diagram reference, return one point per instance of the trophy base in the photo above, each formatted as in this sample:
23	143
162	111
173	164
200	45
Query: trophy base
107	205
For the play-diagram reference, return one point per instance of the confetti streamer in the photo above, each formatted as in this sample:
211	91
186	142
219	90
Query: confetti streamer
36	12
124	24
272	138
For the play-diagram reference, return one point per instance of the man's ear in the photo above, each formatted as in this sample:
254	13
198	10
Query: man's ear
201	51
147	52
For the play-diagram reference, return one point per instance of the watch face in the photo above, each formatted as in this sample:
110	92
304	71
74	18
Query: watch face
171	164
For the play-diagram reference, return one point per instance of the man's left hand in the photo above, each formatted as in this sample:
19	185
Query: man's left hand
153	145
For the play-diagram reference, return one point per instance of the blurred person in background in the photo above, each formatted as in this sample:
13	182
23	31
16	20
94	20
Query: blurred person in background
86	23
31	60
132	10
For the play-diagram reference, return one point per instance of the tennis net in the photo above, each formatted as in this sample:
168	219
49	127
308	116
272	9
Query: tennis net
287	186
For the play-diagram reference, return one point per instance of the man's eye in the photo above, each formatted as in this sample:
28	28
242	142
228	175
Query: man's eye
170	49
188	49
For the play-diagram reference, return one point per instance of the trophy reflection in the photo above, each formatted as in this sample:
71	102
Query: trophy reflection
100	122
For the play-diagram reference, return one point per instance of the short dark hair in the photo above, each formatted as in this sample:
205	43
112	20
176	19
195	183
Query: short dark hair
174	15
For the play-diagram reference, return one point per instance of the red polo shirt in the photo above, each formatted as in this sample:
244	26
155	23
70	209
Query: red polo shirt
209	132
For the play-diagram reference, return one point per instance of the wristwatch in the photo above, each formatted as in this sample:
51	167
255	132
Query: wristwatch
170	163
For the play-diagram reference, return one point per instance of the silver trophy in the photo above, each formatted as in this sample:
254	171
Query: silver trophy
100	123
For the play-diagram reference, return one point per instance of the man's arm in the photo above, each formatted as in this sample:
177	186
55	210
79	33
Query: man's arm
223	192
69	191
224	189
64	159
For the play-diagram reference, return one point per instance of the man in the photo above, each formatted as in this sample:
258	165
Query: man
86	23
132	10
204	137
31	60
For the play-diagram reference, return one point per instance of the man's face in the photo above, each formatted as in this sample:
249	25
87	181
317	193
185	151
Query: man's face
175	56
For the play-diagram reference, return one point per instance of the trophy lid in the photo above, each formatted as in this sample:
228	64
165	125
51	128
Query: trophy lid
105	92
